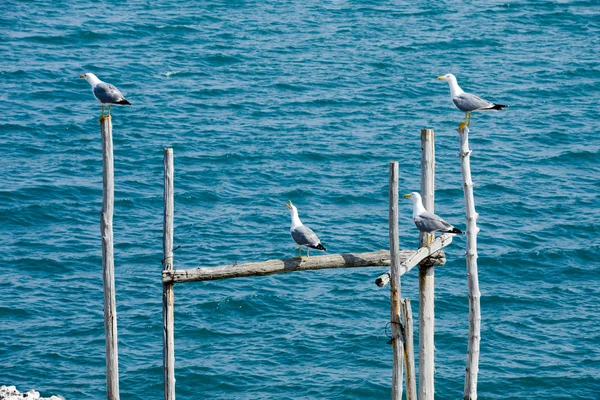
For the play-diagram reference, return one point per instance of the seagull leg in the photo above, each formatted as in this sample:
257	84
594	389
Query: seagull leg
300	251
109	109
307	252
468	119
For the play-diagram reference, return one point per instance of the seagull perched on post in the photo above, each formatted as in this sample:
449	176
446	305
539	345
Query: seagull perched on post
302	235
104	92
468	102
428	222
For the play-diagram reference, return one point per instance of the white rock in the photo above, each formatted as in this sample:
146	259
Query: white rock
32	394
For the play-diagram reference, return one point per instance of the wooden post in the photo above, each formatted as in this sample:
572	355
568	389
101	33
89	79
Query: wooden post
108	260
409	350
168	297
472	369
395	284
426	274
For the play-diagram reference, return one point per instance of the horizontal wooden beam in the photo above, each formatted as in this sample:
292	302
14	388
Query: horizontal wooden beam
420	255
379	258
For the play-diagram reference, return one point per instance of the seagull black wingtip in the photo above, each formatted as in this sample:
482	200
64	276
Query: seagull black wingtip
321	247
124	102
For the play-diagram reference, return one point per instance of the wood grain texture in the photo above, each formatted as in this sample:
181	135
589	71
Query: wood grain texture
395	288
168	295
432	251
379	258
108	261
409	350
472	368
427	274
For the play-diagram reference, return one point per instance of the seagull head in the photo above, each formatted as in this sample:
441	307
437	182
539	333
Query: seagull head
414	196
290	206
418	208
91	78
447	77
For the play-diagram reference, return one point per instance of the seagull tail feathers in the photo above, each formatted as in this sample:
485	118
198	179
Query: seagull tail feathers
320	247
498	106
124	102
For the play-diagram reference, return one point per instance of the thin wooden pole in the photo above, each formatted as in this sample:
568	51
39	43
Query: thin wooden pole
168	296
472	369
409	350
395	284
108	260
426	274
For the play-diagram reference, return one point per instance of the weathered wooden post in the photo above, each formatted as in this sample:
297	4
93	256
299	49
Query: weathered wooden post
472	368
426	273
409	350
397	339
168	297
108	260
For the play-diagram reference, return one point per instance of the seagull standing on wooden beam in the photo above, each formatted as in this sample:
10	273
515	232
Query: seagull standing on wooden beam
428	222
302	235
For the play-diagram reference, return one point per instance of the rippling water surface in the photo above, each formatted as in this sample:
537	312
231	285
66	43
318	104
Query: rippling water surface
269	101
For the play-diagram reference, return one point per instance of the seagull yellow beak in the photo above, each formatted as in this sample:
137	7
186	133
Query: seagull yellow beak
81	76
289	206
441	78
407	195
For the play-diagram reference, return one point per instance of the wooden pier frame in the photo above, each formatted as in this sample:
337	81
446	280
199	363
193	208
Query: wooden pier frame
108	260
400	261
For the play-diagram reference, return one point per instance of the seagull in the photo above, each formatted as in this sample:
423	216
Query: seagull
302	235
104	92
428	222
468	102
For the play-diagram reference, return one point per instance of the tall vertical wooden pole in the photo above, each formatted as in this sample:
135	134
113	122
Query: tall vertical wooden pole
108	260
426	274
472	369
397	340
409	350
168	297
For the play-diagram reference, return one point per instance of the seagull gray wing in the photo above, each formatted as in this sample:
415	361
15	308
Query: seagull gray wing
468	102
108	94
304	236
429	222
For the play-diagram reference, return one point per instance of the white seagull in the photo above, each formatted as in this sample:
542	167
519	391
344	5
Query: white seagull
104	92
468	102
302	235
428	222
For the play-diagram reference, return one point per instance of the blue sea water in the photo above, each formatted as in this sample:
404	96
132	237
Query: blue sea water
309	101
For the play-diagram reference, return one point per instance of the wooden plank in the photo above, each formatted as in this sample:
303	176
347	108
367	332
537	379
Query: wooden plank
108	261
426	273
421	254
472	369
168	295
409	350
351	260
395	288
